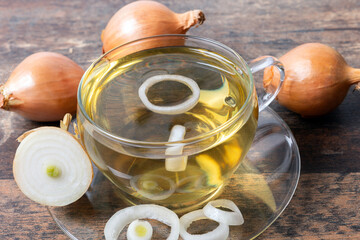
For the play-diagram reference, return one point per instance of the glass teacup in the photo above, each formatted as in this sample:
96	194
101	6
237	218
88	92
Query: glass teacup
169	118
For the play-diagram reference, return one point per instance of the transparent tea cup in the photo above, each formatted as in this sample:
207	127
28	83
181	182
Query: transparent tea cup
131	100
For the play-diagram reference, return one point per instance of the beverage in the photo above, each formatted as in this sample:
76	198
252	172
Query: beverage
214	148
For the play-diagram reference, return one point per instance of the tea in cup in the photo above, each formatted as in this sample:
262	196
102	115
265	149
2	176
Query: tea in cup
170	124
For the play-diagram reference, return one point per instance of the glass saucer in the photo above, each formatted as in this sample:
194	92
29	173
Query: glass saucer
261	187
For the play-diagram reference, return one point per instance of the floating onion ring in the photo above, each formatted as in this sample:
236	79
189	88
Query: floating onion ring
125	216
229	218
139	230
170	110
195	182
176	164
152	185
221	232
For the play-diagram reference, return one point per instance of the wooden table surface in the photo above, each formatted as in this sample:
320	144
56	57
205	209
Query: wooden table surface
327	201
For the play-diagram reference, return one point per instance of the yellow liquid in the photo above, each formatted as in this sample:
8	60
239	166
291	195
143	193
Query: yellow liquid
110	99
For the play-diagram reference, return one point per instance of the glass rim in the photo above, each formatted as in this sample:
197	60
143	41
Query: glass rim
186	141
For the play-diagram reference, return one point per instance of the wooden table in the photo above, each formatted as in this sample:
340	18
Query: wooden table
327	201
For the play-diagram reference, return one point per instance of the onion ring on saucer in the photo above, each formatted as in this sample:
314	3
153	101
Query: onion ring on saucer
221	232
229	218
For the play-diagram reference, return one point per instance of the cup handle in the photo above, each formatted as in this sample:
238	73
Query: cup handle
273	89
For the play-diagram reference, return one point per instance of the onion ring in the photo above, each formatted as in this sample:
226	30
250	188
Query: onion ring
125	216
152	196
170	110
221	232
229	218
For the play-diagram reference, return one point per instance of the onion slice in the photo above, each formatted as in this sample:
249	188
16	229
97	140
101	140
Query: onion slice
170	110
139	230
51	167
125	216
229	218
176	164
221	232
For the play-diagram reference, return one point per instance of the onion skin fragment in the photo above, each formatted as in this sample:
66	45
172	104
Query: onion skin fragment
141	19
317	79
43	87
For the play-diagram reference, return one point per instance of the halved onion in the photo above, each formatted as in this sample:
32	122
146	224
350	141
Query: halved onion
221	232
125	216
139	230
229	218
51	167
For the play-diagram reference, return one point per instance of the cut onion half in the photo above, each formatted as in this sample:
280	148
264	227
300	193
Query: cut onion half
121	218
51	167
170	110
176	164
229	218
139	230
221	232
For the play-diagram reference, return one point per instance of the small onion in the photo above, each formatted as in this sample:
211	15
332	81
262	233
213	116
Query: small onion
43	87
141	19
229	218
221	232
125	216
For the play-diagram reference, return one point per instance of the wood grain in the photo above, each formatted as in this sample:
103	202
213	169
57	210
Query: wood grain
326	203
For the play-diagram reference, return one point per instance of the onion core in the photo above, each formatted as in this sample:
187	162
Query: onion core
141	19
51	167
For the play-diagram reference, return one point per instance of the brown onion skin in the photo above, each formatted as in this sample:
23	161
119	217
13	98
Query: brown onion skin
317	79
141	19
43	87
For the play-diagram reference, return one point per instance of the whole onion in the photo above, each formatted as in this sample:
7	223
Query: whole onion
317	79
43	87
141	19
